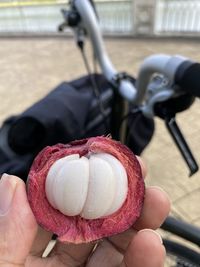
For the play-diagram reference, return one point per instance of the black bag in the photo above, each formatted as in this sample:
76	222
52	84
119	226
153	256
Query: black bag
68	112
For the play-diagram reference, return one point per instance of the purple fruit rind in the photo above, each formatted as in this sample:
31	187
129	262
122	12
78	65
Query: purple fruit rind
77	229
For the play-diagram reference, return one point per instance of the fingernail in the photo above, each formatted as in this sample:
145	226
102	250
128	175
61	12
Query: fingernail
154	232
158	188
7	189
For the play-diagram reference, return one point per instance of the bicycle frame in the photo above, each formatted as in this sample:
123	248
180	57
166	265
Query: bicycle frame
89	20
146	91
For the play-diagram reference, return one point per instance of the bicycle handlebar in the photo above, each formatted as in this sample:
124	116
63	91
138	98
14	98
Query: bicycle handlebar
86	11
158	64
188	77
176	69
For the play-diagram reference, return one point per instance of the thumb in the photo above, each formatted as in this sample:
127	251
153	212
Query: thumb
17	223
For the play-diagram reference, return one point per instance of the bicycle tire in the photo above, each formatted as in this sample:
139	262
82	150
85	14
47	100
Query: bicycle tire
182	255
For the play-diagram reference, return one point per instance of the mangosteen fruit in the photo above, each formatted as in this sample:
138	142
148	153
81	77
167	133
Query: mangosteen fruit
86	190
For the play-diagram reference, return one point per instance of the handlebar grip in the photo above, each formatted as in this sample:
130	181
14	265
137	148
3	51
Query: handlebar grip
188	77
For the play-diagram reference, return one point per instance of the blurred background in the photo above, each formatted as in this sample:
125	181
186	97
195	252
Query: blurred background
128	17
34	58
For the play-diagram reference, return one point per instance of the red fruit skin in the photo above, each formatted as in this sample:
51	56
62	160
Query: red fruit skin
76	229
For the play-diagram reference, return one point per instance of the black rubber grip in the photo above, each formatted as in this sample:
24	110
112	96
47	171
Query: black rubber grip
188	77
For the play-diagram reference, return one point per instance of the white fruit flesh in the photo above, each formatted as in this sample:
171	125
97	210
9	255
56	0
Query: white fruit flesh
92	187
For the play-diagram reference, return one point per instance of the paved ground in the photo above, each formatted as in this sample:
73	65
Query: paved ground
31	67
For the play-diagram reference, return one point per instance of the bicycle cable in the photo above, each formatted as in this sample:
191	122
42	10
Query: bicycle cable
94	85
133	111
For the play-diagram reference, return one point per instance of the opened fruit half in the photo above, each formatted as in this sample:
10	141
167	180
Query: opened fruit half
86	190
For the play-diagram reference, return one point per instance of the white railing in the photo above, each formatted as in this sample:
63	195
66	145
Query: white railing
177	17
116	16
172	17
25	17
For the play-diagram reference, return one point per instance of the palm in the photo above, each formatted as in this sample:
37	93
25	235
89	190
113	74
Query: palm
111	252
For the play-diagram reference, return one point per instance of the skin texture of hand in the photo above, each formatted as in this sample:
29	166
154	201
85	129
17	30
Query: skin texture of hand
22	242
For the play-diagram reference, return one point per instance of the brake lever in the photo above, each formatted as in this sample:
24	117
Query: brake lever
167	111
181	143
165	100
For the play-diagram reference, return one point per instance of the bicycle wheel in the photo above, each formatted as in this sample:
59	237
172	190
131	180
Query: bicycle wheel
180	256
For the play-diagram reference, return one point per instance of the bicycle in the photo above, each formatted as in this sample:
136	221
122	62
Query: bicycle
165	85
106	112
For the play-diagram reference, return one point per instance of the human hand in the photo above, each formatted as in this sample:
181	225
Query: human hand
22	242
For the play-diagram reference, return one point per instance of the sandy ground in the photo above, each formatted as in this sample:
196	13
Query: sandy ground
30	68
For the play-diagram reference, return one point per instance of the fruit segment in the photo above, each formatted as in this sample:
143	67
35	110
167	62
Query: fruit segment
121	182
51	177
92	187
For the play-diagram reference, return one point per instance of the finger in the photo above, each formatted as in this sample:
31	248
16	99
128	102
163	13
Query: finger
143	166
108	254
72	254
40	243
17	223
145	249
155	209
